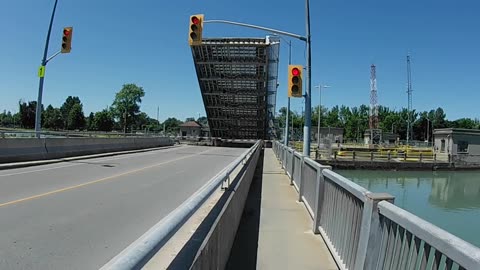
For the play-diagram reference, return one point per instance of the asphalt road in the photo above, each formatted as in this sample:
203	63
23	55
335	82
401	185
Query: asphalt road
80	214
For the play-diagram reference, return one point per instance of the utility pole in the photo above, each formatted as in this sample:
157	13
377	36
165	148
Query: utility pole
320	110
125	122
308	90
409	93
288	98
38	112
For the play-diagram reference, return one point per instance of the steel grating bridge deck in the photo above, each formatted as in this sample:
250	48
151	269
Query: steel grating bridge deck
238	81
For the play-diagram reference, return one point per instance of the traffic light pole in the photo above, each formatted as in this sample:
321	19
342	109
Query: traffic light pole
275	31
308	90
308	101
38	113
288	102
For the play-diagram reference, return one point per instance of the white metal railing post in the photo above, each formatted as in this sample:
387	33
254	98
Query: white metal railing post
293	167
370	232
301	182
319	197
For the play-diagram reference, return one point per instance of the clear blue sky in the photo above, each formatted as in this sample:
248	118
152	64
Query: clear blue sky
145	42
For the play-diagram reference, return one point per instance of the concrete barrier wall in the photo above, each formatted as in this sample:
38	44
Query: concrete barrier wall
215	249
29	149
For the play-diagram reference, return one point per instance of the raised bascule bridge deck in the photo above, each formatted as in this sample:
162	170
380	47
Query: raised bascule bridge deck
238	79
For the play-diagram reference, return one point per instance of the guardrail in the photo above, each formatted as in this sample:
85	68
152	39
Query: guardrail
10	134
364	230
140	251
382	156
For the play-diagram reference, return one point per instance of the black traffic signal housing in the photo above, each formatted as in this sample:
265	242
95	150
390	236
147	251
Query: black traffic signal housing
67	39
195	30
295	79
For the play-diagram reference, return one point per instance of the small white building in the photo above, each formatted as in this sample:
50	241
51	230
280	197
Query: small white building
461	145
334	134
190	129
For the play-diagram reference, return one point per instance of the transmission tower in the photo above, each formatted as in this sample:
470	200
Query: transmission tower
409	92
373	99
375	132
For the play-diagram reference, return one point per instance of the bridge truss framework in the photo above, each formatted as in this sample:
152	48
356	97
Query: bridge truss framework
238	80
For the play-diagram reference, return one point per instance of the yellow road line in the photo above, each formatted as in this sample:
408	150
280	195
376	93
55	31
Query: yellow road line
97	181
99	159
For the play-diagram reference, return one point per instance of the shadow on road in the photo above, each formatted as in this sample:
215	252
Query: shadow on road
102	164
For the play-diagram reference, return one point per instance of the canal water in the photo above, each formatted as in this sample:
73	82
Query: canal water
450	200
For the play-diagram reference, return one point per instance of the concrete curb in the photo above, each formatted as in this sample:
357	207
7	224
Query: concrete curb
16	165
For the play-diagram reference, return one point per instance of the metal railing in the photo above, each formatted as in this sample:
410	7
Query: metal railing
11	134
364	230
139	252
411	156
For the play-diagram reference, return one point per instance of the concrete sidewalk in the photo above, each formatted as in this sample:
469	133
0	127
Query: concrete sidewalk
286	240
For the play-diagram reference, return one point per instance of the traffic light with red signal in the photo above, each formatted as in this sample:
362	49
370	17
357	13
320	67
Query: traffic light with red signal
195	30
295	78
67	39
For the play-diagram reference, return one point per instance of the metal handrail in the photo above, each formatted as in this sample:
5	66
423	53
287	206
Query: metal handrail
368	233
454	248
353	188
136	253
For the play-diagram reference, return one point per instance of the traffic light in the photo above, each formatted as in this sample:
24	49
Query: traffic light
195	31
295	79
67	39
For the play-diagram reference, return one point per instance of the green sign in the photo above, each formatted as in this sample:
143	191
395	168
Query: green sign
41	71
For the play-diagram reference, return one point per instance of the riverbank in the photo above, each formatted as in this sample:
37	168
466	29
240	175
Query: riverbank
395	165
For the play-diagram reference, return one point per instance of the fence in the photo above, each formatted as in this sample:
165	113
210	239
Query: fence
412	156
71	134
365	230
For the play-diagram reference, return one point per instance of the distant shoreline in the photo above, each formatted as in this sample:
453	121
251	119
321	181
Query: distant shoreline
396	166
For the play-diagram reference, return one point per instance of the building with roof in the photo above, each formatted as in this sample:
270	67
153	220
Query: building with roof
190	129
461	146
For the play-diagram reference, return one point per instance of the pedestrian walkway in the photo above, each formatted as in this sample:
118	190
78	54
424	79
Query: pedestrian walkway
286	240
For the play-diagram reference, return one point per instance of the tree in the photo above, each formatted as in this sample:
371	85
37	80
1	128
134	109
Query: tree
126	105
27	113
439	118
203	120
89	120
355	121
53	118
172	125
76	119
67	107
464	123
188	119
333	118
103	121
142	121
7	119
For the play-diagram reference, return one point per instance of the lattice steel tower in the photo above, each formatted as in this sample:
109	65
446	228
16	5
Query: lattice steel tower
373	99
375	132
409	92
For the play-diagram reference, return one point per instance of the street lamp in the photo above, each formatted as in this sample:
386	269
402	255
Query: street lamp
320	109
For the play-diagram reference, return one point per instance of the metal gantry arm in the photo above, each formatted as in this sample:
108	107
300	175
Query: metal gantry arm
53	56
279	32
